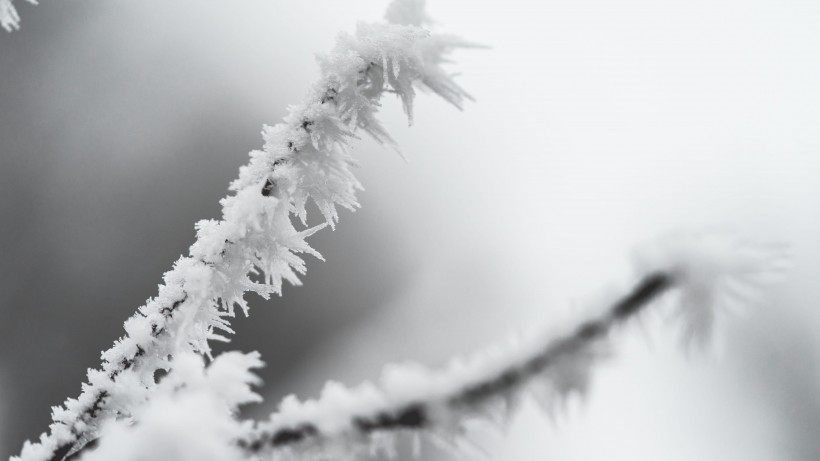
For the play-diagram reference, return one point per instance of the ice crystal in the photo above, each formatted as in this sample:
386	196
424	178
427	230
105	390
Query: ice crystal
716	272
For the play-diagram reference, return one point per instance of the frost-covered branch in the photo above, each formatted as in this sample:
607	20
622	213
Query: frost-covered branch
436	404
9	18
703	274
255	246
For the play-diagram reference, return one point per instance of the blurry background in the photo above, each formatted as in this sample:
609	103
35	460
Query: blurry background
598	125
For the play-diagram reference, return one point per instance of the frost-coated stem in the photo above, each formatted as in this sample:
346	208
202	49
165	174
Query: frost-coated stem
255	246
445	405
701	273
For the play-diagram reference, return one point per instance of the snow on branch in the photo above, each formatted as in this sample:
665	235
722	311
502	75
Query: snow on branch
700	273
190	416
255	246
9	18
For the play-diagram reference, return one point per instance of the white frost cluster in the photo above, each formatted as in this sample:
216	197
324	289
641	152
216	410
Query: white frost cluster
255	246
9	19
190	416
716	273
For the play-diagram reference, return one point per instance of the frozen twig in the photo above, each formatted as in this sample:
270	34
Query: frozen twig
699	272
255	246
